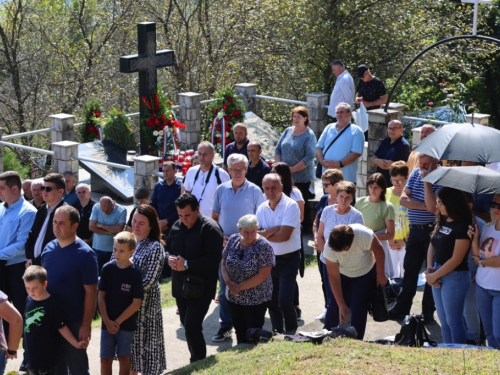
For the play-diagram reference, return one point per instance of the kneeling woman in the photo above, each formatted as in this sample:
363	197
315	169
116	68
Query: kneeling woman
246	267
355	262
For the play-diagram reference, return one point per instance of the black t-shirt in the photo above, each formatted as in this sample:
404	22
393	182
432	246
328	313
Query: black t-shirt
121	285
42	321
371	90
443	242
83	230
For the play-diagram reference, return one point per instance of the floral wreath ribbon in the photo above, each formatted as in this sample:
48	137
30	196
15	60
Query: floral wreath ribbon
173	133
213	129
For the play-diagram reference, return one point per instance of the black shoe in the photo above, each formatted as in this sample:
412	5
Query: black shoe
23	367
299	313
224	333
396	314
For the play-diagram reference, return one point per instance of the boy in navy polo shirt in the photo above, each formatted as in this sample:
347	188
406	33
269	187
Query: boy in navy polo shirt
43	323
120	296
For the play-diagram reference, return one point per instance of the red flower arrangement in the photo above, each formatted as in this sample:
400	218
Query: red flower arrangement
160	120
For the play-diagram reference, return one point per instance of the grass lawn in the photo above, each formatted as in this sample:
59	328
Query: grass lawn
344	356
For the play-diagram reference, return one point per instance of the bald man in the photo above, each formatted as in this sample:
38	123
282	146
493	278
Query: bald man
107	219
27	190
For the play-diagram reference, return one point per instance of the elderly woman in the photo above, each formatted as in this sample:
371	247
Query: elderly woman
355	262
148	349
379	214
340	213
297	148
246	266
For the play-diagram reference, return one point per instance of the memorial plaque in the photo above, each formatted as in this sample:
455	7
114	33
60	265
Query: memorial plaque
115	182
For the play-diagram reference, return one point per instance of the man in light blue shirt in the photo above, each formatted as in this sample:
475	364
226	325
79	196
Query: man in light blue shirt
345	153
106	220
232	200
343	91
16	218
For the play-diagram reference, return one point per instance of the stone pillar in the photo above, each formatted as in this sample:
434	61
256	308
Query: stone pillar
1	152
400	107
62	160
144	166
64	125
377	130
190	114
415	136
246	90
317	114
479	118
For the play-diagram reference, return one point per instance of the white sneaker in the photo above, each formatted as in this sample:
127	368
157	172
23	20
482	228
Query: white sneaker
321	316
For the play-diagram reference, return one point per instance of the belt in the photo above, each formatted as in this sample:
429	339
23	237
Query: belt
422	226
287	255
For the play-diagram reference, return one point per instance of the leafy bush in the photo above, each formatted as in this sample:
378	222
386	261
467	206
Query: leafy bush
117	129
12	163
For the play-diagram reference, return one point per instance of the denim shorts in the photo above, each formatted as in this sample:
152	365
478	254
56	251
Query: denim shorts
119	343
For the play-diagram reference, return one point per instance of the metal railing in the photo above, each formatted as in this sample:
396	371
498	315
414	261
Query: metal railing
279	99
107	163
156	173
208	101
27	148
437	122
26	134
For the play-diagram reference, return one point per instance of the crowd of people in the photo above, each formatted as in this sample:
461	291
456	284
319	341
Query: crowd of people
241	226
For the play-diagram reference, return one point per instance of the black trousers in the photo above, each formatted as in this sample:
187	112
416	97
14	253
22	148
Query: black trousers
417	246
245	317
192	313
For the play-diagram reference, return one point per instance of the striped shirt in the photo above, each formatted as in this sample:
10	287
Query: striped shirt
416	185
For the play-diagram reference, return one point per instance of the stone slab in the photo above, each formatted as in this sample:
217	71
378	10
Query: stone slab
263	132
117	183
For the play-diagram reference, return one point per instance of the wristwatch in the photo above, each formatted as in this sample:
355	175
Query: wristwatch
12	352
481	263
185	265
341	165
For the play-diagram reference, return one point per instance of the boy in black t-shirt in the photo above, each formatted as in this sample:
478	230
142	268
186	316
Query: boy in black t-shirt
120	296
42	321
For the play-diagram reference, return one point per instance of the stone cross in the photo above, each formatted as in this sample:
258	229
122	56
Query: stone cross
476	9
146	62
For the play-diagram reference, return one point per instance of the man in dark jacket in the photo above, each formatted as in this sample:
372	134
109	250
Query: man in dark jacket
195	248
41	232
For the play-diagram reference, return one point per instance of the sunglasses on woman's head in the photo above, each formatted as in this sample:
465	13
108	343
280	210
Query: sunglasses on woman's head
495	205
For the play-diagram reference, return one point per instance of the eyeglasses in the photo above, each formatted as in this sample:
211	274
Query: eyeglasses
48	189
325	185
495	205
392	129
237	170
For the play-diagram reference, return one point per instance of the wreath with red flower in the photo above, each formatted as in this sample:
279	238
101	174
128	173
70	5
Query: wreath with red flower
160	124
226	106
92	114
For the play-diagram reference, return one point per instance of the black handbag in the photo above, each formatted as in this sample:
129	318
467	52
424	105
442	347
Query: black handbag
413	332
319	167
193	286
379	308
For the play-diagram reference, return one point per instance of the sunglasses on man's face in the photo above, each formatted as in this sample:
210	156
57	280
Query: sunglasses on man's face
495	205
48	189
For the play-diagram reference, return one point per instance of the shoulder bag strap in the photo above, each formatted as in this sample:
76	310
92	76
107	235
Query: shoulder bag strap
337	137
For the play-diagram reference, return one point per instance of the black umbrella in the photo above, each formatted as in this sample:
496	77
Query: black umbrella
467	142
474	179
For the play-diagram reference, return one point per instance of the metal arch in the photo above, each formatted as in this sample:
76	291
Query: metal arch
487	38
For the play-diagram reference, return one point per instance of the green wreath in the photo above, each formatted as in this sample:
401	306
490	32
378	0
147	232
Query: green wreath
117	129
92	116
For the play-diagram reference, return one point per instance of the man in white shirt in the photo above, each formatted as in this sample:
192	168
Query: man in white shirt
343	91
202	180
279	218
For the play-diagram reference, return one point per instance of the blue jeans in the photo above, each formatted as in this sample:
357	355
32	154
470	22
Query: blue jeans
329	294
103	257
450	300
3	362
488	303
284	275
471	315
224	314
357	292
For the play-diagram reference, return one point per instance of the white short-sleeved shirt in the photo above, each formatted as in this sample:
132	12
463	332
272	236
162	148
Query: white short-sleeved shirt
203	191
358	260
286	213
